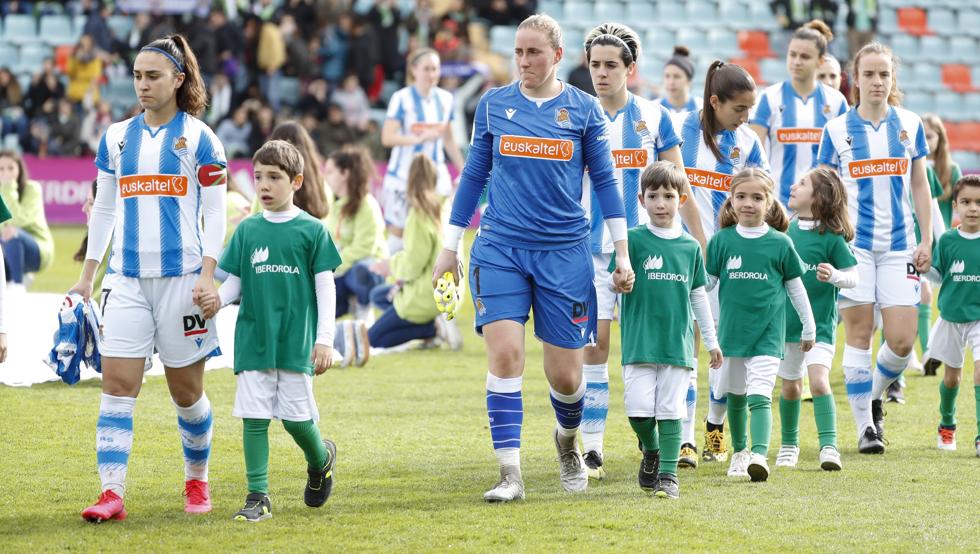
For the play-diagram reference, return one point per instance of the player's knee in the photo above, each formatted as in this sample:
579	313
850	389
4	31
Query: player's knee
185	397
507	361
819	386
953	377
901	346
792	389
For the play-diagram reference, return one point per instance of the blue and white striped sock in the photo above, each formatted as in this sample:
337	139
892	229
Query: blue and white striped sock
717	406
114	441
568	411
596	406
857	381
687	426
505	409
890	369
195	423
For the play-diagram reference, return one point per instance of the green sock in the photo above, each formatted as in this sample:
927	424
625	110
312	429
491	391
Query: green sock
947	404
307	436
825	414
738	419
760	409
670	432
976	395
925	315
789	420
255	442
646	430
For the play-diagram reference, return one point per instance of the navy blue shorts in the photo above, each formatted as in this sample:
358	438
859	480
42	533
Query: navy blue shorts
507	283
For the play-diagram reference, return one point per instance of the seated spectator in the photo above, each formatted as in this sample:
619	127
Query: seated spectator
220	93
334	44
45	85
334	133
94	125
28	246
315	100
354	102
84	71
371	140
408	310
66	131
263	122
235	132
357	228
11	101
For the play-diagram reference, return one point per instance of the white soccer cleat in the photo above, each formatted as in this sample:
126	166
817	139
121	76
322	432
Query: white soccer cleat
738	466
788	456
510	487
572	471
448	294
758	469
830	459
448	332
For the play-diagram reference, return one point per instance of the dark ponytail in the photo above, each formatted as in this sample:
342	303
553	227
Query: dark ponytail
192	96
724	80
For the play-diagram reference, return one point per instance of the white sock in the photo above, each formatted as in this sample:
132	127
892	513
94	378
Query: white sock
114	441
890	368
196	429
858	382
687	425
596	406
716	410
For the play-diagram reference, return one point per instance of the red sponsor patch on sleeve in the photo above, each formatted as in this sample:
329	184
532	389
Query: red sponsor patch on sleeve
212	175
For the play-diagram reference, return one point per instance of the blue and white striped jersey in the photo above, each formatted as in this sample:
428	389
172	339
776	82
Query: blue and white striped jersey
158	230
794	125
638	133
693	104
414	112
875	164
710	178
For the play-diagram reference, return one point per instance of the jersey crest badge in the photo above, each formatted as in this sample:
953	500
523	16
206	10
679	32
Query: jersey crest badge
180	143
480	308
735	155
826	109
562	118
903	137
641	128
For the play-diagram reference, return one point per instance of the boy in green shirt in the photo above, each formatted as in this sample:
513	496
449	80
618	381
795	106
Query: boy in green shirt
956	264
281	264
657	326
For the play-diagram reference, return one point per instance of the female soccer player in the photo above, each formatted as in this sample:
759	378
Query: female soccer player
537	136
418	120
640	133
716	146
791	114
879	149
159	172
678	72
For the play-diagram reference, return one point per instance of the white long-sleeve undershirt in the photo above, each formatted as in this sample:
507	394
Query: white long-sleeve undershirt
800	301
706	321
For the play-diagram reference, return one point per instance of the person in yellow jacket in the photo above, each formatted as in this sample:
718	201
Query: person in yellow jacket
271	56
409	311
28	246
357	228
84	71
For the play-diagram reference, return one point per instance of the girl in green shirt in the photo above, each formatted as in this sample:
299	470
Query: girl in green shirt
28	246
357	227
756	266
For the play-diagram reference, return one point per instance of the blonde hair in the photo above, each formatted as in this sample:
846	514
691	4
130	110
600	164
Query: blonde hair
894	95
546	25
422	177
775	214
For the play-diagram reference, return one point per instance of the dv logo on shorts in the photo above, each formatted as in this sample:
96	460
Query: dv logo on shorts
580	312
194	325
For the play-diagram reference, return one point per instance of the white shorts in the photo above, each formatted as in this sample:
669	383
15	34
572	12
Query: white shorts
795	361
275	394
394	195
948	340
656	390
139	314
755	375
606	300
888	279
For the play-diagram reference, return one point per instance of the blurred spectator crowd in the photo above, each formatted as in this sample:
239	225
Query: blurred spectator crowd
330	64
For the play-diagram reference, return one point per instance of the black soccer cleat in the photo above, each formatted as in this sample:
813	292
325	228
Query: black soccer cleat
649	470
257	507
320	481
